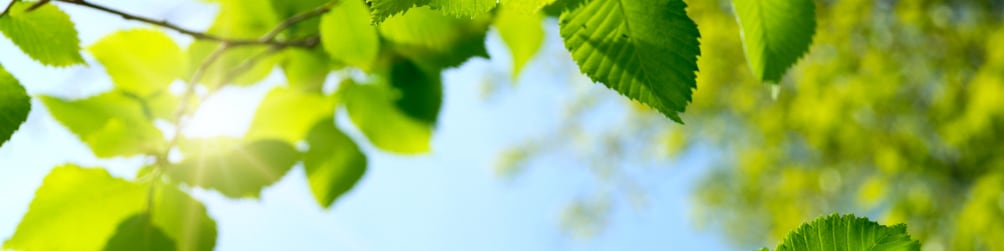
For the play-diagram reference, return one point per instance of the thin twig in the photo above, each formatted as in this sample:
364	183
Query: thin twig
196	34
36	5
190	91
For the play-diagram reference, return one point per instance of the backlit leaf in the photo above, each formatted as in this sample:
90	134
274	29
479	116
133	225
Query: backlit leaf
81	209
287	114
434	40
111	124
234	168
348	36
334	163
46	34
14	105
468	9
523	33
645	50
848	232
140	61
382	9
371	108
306	70
775	34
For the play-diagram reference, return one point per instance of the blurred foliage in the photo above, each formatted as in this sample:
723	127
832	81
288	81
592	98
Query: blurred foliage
897	112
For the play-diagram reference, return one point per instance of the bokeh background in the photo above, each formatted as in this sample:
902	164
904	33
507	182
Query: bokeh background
896	113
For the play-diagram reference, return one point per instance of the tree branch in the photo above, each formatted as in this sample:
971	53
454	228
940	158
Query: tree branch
206	36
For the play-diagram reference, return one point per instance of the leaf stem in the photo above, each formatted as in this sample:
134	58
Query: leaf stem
6	10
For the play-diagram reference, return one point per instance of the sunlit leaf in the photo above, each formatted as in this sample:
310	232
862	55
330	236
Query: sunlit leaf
468	9
523	33
524	6
847	232
348	36
775	33
111	124
138	232
306	70
140	61
14	105
434	40
46	34
81	209
184	219
287	114
382	9
371	108
76	209
234	168
334	163
645	50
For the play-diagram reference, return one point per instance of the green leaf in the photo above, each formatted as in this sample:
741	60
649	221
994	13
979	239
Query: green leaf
306	70
287	114
371	108
334	163
111	124
645	50
433	40
76	209
140	61
382	9
522	33
81	208
235	169
183	219
46	34
775	33
139	233
348	36
469	9
848	232
421	91
14	105
524	6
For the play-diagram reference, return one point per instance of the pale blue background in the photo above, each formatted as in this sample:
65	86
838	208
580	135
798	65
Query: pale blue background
450	199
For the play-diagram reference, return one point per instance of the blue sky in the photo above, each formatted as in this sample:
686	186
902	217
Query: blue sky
449	199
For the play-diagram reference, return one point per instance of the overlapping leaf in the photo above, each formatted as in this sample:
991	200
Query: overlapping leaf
306	70
140	61
371	108
347	35
239	19
382	9
111	124
46	34
139	233
14	105
334	163
522	32
234	168
433	40
645	50
81	208
847	232
288	114
775	34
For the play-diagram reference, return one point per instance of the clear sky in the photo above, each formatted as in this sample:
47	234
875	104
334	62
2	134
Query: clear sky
450	199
